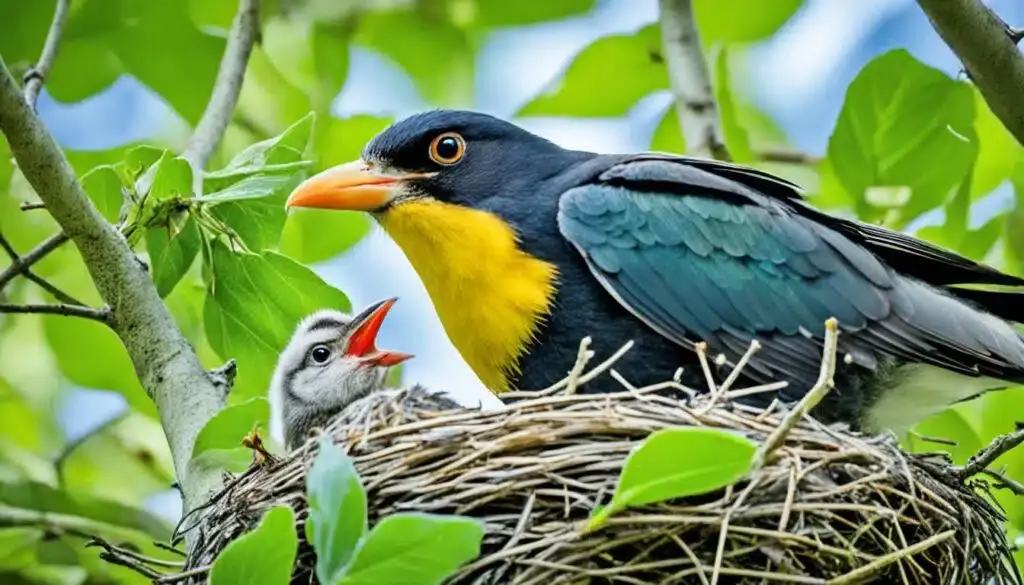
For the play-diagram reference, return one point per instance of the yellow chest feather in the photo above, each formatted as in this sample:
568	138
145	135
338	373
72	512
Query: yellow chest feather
490	295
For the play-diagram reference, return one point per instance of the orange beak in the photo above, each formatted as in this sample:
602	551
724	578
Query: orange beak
363	341
352	186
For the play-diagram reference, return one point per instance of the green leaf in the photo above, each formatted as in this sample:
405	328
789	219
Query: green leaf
313	56
641	71
1014	227
337	509
138	160
104	188
89	354
172	179
287	147
949	424
18	547
84	67
901	116
735	135
251	187
742	21
25	26
668	136
267	99
154	39
415	549
226	429
254	305
113	519
677	463
998	151
171	251
263	556
435	53
501	13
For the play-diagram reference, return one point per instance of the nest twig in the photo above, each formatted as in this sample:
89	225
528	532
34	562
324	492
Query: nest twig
825	506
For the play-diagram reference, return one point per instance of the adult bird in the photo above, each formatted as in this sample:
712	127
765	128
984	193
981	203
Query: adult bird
331	361
525	247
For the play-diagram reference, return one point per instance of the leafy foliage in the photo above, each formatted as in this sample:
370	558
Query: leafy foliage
677	463
909	142
402	549
264	555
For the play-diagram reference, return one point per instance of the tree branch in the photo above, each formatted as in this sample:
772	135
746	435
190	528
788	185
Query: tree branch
986	46
186	395
214	122
21	265
691	84
788	156
102	315
979	462
37	75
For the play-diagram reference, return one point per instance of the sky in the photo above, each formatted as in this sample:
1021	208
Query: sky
799	77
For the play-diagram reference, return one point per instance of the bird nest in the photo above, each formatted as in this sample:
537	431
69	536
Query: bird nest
825	506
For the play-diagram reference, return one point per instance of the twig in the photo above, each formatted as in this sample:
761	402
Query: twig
170	549
593	373
713	390
58	294
788	156
857	575
980	462
1016	34
723	531
31	205
116	559
691	84
19	265
755	346
217	115
174	578
810	400
72	446
986	46
103	314
36	76
1002	481
99	542
582	357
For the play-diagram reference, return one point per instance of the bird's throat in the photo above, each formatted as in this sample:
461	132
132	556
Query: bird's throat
490	295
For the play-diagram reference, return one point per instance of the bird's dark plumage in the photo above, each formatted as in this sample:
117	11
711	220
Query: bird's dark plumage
671	250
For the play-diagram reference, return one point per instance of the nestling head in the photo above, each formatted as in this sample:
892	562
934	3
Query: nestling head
331	361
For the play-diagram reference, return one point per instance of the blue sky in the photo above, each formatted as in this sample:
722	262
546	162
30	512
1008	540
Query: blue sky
799	77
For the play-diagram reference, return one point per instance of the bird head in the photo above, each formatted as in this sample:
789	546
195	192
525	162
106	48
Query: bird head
452	156
331	361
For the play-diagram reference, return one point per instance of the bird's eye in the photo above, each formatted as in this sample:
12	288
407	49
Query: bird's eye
320	354
447	149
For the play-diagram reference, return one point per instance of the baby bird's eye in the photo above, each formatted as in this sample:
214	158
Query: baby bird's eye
320	354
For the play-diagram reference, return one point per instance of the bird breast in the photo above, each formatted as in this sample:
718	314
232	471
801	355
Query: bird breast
489	294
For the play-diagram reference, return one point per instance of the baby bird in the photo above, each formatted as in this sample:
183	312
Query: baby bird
331	361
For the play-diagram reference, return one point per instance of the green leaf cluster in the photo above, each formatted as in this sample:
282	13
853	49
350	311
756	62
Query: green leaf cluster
401	549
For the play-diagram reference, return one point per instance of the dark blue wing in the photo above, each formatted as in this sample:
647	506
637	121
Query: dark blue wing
707	256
